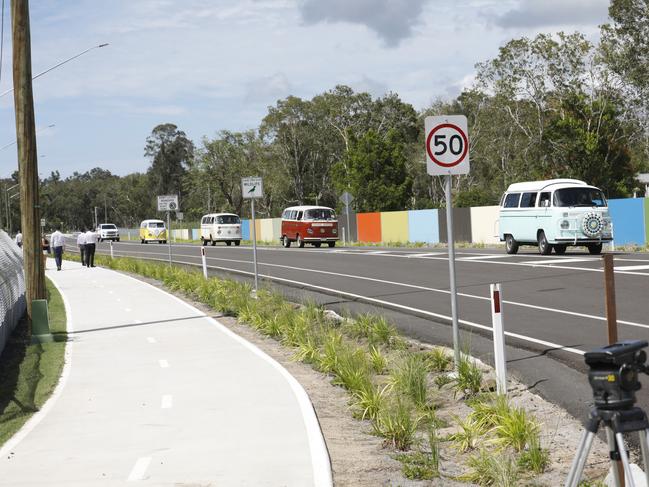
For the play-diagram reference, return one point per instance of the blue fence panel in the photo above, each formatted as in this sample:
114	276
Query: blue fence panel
196	234
245	229
628	221
423	226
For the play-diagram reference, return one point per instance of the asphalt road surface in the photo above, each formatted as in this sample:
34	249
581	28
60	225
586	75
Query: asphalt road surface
553	305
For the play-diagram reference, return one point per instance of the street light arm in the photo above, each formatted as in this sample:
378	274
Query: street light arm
57	65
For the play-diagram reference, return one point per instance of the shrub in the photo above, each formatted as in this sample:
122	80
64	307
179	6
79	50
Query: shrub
438	360
492	470
516	429
367	402
419	465
534	458
377	360
469	376
468	435
410	378
396	424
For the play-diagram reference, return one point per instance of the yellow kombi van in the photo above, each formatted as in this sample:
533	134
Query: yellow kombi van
221	227
153	231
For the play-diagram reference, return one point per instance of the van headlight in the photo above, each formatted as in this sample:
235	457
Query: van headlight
335	231
309	231
565	225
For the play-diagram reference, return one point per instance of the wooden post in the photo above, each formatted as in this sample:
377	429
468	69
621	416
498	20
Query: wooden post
27	162
609	286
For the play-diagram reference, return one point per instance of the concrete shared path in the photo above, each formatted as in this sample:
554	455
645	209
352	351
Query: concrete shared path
155	392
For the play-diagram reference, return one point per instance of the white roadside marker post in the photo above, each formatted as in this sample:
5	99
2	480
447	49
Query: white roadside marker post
204	262
111	250
499	338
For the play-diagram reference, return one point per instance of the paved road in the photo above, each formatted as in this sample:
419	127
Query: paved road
158	393
554	305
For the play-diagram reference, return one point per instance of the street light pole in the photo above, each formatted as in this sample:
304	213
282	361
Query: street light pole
27	160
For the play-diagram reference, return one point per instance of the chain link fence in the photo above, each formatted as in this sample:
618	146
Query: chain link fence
12	287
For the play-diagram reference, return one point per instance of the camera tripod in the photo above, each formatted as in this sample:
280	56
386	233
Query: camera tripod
616	423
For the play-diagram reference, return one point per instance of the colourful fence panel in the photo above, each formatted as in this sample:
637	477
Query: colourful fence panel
484	224
257	229
369	227
277	228
245	229
266	234
628	221
196	233
646	219
461	225
394	226
423	226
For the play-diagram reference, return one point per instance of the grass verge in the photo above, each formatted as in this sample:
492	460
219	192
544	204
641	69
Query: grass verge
29	372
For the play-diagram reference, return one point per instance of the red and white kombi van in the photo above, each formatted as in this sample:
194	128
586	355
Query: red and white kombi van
309	224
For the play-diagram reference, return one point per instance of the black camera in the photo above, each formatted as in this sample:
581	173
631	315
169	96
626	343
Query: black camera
614	371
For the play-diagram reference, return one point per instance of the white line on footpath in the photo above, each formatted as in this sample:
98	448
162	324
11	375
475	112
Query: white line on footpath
139	469
163	364
137	321
167	401
151	340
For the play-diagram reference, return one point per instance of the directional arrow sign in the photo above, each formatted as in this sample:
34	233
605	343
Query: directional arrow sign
252	187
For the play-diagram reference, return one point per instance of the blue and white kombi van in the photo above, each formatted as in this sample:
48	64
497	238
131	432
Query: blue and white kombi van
553	214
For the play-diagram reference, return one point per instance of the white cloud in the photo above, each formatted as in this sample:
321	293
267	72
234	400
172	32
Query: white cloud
553	13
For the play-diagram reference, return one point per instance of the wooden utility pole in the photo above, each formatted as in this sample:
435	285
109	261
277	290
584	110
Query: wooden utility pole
27	161
609	287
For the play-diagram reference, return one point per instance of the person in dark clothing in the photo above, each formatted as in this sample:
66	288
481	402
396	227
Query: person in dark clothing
58	244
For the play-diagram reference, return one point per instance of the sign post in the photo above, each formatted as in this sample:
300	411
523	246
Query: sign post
347	198
168	203
252	188
447	153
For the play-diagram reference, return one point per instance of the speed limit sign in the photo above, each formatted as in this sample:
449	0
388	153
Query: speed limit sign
447	145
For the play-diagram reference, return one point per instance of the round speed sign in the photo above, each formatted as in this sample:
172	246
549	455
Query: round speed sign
447	145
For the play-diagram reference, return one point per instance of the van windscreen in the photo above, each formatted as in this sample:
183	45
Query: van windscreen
579	197
227	219
319	214
156	225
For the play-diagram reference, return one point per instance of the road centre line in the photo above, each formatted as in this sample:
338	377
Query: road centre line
632	267
559	261
424	288
139	469
485	257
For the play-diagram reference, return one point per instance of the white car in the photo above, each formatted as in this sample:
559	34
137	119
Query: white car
107	231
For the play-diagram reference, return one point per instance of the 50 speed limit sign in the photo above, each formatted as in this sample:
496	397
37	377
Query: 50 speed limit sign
447	145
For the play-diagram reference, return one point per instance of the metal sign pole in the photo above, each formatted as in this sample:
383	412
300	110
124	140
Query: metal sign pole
168	239
451	270
254	242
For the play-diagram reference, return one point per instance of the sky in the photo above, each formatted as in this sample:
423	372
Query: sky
216	65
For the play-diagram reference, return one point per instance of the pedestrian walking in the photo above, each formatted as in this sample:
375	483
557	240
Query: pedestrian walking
57	241
19	239
91	242
81	242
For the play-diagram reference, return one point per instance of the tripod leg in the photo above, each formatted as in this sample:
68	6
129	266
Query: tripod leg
625	460
615	464
644	447
577	468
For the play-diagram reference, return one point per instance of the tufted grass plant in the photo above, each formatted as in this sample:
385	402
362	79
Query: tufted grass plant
468	434
438	360
488	409
487	469
469	376
515	429
442	380
396	423
535	458
367	402
410	377
378	361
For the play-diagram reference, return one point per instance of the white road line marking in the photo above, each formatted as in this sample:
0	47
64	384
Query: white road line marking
128	310
631	267
423	256
151	340
163	364
139	469
559	261
167	401
376	252
111	292
137	321
485	257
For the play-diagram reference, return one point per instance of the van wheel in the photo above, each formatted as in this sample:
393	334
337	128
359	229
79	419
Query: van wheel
213	242
331	244
203	241
141	240
595	249
228	243
237	243
317	245
117	240
299	241
544	247
286	243
560	249
511	245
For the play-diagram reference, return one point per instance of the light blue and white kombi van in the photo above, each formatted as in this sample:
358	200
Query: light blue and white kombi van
553	214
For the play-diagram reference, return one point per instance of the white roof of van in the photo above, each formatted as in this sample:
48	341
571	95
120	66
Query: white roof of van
156	221
219	214
541	185
308	207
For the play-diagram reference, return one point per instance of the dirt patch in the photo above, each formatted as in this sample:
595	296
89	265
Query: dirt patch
361	459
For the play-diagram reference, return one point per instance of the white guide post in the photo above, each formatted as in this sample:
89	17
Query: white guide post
499	338
204	262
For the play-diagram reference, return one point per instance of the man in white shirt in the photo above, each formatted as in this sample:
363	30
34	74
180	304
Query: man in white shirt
19	239
81	242
57	241
91	242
